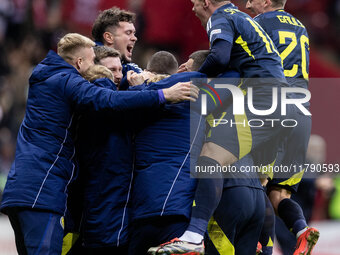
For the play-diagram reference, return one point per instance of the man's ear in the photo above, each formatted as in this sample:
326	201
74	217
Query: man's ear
267	3
206	3
79	62
108	37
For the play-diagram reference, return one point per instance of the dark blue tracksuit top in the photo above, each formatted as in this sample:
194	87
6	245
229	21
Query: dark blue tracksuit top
168	141
105	158
44	160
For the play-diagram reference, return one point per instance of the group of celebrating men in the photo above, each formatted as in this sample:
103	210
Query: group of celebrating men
106	153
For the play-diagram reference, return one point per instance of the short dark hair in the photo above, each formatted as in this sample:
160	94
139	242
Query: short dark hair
110	18
104	52
219	1
162	62
199	57
279	3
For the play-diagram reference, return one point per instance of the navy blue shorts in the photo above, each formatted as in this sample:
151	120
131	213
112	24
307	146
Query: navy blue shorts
237	222
292	156
37	232
150	232
245	133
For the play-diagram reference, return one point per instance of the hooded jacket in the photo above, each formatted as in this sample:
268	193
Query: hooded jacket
44	161
167	141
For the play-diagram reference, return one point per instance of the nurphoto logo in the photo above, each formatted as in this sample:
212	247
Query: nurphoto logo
238	101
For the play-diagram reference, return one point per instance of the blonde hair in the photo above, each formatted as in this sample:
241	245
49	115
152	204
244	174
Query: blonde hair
96	72
71	43
157	77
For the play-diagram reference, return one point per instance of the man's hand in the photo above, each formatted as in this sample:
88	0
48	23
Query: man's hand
147	75
138	78
182	68
134	78
181	91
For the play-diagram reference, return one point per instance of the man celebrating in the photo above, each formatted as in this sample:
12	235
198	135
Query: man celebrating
239	43
110	58
114	28
37	186
291	39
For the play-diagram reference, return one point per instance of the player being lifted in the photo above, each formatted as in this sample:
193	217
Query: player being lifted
291	39
239	43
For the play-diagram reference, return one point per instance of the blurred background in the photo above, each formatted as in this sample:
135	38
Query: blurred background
29	28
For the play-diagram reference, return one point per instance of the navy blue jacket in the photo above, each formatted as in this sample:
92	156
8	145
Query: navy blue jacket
162	183
167	144
104	154
44	166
